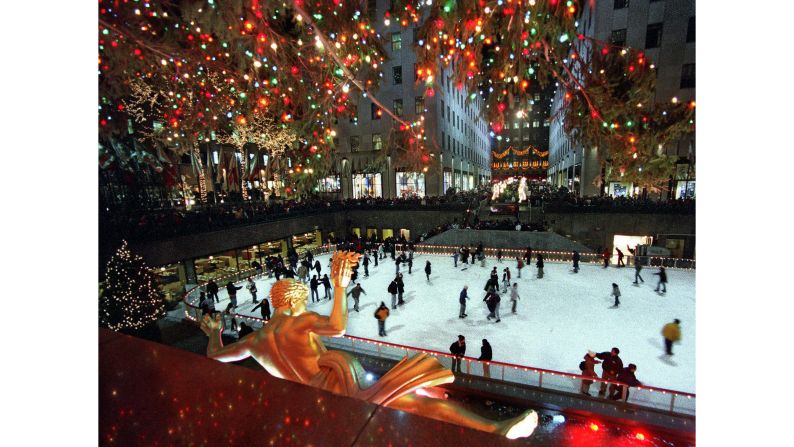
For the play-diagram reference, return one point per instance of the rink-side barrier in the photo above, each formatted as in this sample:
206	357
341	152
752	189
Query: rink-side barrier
564	256
676	402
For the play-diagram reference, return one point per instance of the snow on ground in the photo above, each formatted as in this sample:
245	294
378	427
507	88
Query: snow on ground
559	317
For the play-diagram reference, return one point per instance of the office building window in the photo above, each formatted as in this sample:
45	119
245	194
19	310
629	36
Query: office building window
355	143
442	109
375	112
618	37
398	107
443	141
688	76
620	4
526	124
397	74
536	123
690	30
367	185
377	142
396	41
653	35
410	184
329	184
419	105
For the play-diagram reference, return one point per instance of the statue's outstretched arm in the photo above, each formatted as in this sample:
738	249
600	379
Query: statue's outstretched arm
341	270
213	327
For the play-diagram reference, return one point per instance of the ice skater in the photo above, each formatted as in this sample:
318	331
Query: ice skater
616	294
400	289
611	367
427	270
587	366
356	292
381	314
458	349
539	265
626	379
620	258
493	301
365	262
606	258
519	265
313	285
662	280
506	278
264	308
392	289
576	258
464	295
455	258
327	284
212	290
514	296
486	354
252	288
410	264
499	255
232	289
671	333
637	269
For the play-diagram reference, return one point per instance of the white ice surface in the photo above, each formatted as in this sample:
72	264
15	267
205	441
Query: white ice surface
559	318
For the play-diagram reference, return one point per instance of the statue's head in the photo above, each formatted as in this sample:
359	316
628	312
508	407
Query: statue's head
288	293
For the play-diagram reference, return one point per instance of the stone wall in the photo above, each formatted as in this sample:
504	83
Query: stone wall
598	229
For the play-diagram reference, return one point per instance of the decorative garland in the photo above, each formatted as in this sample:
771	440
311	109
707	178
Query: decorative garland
520	152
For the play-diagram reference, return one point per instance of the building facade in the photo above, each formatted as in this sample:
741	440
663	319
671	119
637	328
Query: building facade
456	134
522	148
665	30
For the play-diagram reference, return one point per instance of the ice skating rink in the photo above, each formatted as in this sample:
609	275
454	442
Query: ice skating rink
559	318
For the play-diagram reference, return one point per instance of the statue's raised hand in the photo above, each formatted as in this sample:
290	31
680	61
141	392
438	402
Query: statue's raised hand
211	325
342	267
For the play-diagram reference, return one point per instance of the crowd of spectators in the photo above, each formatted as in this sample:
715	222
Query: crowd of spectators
164	223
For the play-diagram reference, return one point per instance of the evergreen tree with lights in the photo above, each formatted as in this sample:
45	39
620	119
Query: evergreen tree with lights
130	301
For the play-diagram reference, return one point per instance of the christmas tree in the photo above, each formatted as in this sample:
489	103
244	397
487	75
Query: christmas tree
130	300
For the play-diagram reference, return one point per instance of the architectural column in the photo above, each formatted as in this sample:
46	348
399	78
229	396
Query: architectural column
189	271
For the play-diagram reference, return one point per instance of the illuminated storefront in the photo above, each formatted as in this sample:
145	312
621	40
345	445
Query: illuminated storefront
410	184
367	185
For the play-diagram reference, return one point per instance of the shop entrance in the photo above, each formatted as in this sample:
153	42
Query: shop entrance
405	233
372	232
357	231
387	233
627	244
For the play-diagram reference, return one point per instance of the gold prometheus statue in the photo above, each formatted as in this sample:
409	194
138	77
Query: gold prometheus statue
289	347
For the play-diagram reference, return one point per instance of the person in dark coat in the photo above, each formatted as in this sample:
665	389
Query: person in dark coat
427	270
662	280
588	369
606	258
244	330
493	301
207	304
354	275
499	255
393	291
365	262
410	264
264	307
519	265
620	258
627	380
289	272
376	253
455	258
528	255
257	266
313	284
327	285
539	265
458	349
612	364
232	289
309	259
494	276
576	258
637	269
486	354
464	295
212	290
356	292
400	289
318	267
